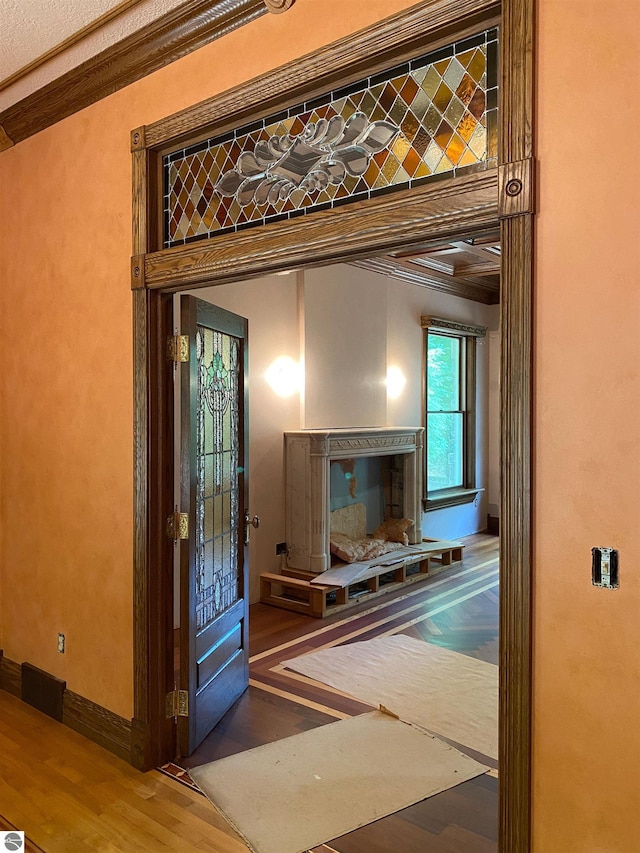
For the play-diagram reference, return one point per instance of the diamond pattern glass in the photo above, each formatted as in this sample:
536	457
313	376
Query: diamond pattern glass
217	515
431	116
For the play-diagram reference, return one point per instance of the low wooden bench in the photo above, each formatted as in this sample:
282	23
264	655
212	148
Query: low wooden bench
294	590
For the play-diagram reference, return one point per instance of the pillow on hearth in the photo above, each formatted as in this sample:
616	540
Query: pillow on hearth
354	550
394	530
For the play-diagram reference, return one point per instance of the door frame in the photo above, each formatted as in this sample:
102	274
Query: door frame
445	208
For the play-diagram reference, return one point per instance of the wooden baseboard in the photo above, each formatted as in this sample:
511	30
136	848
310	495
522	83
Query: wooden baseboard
98	724
10	677
82	715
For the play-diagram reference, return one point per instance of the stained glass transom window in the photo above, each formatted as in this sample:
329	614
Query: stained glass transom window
432	116
217	514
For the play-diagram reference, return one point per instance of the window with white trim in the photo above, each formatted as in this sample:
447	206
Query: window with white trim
450	412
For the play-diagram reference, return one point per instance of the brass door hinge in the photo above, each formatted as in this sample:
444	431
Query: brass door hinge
178	525
178	348
177	704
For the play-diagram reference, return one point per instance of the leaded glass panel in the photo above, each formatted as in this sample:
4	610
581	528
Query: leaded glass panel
432	116
217	513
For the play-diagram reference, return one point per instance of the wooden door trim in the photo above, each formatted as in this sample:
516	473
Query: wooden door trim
162	272
516	146
466	204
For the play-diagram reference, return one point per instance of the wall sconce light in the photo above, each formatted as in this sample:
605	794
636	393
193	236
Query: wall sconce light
283	376
396	380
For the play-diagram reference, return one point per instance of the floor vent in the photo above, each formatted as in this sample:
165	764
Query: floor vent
43	691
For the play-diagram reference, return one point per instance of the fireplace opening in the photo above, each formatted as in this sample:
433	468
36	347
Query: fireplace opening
377	482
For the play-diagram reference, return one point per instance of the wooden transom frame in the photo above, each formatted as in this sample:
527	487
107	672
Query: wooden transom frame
447	208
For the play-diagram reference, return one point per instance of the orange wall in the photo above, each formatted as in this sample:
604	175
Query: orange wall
587	441
65	402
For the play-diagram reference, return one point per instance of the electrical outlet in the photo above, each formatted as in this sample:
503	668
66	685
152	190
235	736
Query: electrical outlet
281	548
61	643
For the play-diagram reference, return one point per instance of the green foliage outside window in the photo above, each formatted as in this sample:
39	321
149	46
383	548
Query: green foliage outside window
445	417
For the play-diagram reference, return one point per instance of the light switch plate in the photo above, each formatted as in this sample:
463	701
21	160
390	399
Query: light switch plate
604	568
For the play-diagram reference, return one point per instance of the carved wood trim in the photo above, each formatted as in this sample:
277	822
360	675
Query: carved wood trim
515	536
436	324
515	117
153	736
142	603
515	128
5	141
137	272
187	28
515	188
410	33
377	225
139	139
91	27
278	6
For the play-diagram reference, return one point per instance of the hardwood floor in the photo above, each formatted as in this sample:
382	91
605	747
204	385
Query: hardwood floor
69	794
457	609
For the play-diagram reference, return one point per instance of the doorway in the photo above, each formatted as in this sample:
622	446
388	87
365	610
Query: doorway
470	204
387	330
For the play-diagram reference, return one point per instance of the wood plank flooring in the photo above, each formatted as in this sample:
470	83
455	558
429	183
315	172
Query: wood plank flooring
70	795
457	609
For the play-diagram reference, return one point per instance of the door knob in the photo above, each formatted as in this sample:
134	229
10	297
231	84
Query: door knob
254	522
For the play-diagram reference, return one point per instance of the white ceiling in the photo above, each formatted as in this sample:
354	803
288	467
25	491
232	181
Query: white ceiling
30	28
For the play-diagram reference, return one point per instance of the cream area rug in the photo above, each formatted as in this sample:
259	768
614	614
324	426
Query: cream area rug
448	693
297	793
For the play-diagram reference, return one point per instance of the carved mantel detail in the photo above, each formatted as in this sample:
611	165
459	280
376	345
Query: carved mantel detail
319	445
365	444
336	444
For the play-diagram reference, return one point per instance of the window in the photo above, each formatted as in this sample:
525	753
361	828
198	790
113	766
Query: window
450	380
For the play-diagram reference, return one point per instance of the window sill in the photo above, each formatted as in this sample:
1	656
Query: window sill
450	497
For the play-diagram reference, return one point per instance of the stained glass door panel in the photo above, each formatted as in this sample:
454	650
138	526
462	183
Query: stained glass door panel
214	608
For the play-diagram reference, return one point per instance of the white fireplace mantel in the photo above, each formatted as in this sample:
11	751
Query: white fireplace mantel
308	455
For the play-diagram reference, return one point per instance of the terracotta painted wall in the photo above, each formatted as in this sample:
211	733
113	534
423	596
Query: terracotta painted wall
65	399
66	350
587	440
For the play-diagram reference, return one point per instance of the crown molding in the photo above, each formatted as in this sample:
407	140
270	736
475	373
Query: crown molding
70	42
179	32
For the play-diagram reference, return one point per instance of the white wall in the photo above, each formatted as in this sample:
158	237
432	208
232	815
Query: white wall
345	330
347	326
405	350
